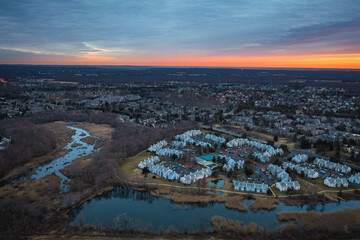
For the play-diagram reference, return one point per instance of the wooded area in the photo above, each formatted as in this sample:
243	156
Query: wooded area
22	216
27	141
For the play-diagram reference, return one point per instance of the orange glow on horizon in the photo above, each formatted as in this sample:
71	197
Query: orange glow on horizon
341	61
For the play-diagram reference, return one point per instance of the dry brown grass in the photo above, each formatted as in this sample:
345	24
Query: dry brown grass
42	194
222	224
264	203
89	140
193	198
345	220
234	202
157	192
102	131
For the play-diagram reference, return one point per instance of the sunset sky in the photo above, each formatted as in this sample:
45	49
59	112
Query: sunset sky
248	33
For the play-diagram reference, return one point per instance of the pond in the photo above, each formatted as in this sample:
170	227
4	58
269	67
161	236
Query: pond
220	183
77	148
217	183
143	210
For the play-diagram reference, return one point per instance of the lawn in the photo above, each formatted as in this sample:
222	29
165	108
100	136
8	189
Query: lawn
129	166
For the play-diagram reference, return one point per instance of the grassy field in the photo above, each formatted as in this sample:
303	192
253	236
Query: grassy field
129	166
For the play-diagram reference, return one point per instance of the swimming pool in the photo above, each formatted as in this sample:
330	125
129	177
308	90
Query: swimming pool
208	157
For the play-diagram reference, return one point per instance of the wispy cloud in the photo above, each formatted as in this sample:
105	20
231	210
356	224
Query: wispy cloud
176	28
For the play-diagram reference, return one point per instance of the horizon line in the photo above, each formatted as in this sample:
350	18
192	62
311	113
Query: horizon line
181	66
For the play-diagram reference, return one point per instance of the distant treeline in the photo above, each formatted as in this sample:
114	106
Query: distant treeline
97	117
126	74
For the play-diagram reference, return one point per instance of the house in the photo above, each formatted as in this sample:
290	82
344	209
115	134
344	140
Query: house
288	165
320	162
300	158
261	157
258	187
215	138
250	187
342	182
178	144
268	150
278	172
169	152
236	185
284	176
188	134
295	185
355	178
148	162
333	166
330	165
264	188
330	182
163	171
157	146
281	186
284	186
310	173
195	176
232	164
4	143
242	186
185	179
336	182
202	144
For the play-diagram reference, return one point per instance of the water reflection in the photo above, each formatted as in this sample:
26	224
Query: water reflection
77	148
126	207
217	183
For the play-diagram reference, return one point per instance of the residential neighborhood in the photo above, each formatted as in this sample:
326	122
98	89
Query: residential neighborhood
271	166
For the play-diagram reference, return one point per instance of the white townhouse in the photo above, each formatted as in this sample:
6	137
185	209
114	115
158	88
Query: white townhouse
336	182
148	162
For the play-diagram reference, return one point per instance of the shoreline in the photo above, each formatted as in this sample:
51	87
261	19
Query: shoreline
230	201
290	220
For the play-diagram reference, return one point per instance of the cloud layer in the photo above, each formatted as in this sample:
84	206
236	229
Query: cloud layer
146	32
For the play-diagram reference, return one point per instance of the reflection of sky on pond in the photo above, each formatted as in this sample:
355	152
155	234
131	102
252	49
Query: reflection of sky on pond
161	214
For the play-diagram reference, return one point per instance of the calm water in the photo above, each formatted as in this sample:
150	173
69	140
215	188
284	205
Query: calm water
143	210
218	184
79	149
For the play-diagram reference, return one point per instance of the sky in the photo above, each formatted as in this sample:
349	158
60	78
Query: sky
243	33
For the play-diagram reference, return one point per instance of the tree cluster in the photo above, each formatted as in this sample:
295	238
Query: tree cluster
27	141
